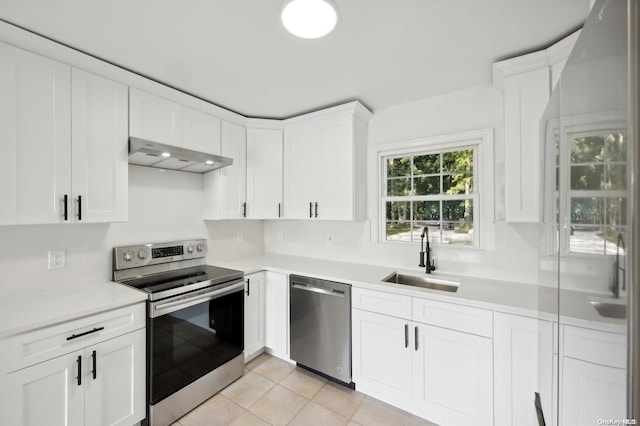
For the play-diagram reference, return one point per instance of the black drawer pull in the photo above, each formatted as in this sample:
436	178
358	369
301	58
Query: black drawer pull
79	361
75	336
79	207
66	207
95	368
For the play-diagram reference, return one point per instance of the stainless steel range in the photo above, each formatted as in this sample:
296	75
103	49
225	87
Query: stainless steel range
195	323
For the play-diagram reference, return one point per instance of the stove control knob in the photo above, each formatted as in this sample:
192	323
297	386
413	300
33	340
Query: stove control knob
127	256
189	249
200	247
142	254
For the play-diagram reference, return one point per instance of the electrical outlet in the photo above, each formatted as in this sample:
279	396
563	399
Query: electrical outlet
280	236
329	239
239	237
56	259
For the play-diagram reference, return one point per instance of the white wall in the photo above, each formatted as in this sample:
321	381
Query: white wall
515	255
163	206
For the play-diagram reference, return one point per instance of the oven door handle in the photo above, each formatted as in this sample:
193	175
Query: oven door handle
186	302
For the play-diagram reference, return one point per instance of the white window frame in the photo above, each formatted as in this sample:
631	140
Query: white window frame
587	124
483	198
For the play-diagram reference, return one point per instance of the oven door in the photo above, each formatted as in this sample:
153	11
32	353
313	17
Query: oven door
191	335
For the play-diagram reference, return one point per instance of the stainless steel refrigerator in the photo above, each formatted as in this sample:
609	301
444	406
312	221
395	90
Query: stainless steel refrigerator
590	236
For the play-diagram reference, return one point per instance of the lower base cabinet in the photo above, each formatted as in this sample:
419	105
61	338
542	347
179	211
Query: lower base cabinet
253	314
103	384
442	375
276	300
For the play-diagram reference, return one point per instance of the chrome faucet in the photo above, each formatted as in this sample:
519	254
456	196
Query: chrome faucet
430	265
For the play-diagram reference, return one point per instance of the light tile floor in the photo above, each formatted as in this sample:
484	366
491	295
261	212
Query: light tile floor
274	392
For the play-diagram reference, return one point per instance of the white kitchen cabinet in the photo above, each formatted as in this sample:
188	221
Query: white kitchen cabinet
590	392
200	131
276	298
442	373
253	314
325	164
64	138
382	352
225	190
593	378
35	137
452	376
44	394
264	173
99	155
525	97
232	187
154	118
523	349
64	390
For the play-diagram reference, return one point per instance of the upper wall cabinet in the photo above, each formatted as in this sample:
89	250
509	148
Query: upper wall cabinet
264	169
35	137
63	135
225	190
325	164
527	82
99	148
160	120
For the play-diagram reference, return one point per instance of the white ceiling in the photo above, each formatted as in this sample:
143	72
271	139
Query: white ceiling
236	54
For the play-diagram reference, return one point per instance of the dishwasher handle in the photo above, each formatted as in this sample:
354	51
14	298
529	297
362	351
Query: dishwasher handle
327	291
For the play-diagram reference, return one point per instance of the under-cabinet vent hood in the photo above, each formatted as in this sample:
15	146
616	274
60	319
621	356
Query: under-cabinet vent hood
154	154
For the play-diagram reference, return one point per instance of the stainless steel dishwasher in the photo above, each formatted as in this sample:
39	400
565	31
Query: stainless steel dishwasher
320	320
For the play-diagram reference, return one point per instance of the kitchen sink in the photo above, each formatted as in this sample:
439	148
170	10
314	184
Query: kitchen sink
609	309
424	282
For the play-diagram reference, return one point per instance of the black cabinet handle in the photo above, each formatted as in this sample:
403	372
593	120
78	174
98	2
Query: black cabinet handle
79	361
416	336
95	369
79	207
244	209
310	209
279	209
316	209
75	336
406	335
66	207
248	286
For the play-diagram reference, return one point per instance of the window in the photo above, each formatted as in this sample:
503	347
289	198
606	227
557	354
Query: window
434	188
595	190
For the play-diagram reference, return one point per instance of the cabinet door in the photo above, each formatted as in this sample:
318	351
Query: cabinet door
525	98
337	185
453	376
116	396
35	137
381	356
200	131
154	118
276	300
44	394
99	148
253	314
591	392
233	178
522	348
302	171
264	173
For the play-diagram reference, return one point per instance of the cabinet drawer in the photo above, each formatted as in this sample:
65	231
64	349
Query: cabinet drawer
455	317
599	347
36	346
381	302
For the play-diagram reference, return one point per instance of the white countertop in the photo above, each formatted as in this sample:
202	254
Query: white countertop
502	296
36	309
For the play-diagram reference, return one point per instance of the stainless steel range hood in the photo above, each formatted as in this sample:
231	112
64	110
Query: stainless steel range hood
153	154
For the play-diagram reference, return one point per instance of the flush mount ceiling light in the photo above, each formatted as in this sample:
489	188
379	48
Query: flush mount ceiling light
309	18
